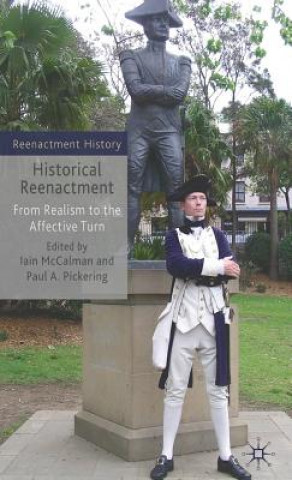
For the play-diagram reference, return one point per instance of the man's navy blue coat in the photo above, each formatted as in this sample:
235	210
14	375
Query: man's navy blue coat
179	266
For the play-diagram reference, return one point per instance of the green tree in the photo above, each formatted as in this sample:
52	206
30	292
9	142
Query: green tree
66	89
205	147
108	114
265	127
227	53
285	178
230	115
112	39
260	185
44	82
225	48
285	22
280	17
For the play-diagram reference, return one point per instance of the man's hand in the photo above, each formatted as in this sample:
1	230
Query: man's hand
231	268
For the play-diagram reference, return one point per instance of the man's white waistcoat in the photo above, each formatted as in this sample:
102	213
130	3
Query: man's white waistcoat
199	303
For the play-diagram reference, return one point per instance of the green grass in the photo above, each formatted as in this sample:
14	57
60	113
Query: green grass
265	354
41	365
265	349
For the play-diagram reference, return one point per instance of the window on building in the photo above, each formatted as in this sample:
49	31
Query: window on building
227	226
240	160
241	227
264	198
240	192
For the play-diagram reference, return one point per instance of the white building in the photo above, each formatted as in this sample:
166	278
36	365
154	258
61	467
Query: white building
252	210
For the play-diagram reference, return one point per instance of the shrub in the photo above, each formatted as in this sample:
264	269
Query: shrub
3	335
285	256
260	288
247	269
257	250
151	249
59	308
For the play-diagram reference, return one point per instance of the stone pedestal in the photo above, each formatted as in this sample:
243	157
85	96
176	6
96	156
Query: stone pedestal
122	406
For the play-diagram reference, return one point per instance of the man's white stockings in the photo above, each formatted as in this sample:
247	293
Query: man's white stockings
171	420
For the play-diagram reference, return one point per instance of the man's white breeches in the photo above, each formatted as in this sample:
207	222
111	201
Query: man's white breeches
183	350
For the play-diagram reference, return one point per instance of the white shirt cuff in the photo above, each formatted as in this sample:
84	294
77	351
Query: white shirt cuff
212	267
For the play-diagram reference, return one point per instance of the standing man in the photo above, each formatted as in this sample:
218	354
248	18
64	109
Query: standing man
199	255
157	82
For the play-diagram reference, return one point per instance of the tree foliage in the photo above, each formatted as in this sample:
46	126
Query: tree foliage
258	250
108	114
285	256
225	47
285	22
44	82
205	147
227	52
265	128
112	39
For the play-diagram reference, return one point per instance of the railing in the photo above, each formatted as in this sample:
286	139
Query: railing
240	237
150	238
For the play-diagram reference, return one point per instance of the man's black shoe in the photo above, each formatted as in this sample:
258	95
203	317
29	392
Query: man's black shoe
162	467
233	468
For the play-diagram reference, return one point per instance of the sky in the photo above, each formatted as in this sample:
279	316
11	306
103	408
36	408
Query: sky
278	59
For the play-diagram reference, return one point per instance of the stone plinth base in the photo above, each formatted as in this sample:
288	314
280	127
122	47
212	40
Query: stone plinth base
145	443
122	405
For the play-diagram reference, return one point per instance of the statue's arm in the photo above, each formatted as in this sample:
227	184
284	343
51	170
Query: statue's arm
175	94
139	92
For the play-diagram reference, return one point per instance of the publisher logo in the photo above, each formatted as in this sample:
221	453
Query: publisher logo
259	454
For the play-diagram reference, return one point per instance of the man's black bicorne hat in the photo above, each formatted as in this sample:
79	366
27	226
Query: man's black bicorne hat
199	183
154	7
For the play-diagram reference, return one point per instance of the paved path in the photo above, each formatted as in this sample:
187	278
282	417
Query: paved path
45	448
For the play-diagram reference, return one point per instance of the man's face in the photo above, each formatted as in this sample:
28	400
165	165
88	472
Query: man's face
156	27
195	204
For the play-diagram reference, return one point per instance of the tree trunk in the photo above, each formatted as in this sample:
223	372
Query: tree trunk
234	215
273	178
234	176
289	220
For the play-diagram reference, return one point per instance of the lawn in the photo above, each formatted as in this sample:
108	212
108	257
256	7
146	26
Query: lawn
265	354
41	365
265	349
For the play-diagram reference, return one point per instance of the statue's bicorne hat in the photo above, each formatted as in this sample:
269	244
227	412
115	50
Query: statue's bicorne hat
154	7
199	183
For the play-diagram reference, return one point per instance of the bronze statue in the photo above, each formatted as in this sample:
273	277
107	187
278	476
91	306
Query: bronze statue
157	82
